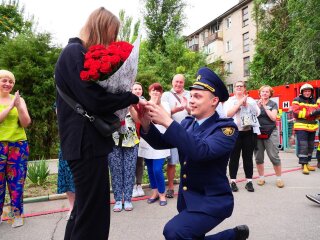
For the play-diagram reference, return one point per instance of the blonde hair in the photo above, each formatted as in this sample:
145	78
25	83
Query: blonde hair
102	27
243	83
270	90
8	74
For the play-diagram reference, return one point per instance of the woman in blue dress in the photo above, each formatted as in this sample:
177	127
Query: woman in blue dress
65	182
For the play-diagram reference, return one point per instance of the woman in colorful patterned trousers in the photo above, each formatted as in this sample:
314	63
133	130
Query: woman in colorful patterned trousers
14	149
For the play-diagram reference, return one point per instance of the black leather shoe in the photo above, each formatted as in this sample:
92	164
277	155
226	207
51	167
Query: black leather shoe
234	187
249	187
242	232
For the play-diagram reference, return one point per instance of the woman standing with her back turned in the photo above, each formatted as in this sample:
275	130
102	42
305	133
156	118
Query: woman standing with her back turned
84	148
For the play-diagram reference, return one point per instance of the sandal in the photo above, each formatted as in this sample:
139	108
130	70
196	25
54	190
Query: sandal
170	193
128	206
117	206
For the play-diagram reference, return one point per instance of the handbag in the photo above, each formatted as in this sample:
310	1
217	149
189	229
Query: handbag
106	125
248	118
265	134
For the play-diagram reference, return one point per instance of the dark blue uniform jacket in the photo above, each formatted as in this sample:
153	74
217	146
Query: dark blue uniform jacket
204	154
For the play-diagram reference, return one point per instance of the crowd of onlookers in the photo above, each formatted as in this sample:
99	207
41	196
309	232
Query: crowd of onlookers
255	119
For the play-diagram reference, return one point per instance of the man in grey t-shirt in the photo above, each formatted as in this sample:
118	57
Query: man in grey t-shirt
178	99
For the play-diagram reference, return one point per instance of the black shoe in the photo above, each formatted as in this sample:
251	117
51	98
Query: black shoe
234	187
242	232
170	193
249	187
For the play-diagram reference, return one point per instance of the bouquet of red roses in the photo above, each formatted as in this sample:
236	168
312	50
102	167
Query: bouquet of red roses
101	62
113	68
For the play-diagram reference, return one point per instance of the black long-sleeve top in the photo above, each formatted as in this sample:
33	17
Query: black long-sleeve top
73	128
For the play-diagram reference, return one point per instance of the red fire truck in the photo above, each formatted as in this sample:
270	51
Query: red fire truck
284	94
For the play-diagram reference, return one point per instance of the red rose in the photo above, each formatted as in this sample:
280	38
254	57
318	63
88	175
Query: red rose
105	68
88	63
114	60
84	75
94	74
101	62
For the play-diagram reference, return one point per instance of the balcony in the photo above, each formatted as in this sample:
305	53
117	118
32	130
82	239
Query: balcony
215	36
194	47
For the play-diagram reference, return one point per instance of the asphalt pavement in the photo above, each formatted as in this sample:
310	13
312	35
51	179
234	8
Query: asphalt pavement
270	212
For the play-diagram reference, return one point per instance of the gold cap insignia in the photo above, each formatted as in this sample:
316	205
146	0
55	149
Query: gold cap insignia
199	77
228	131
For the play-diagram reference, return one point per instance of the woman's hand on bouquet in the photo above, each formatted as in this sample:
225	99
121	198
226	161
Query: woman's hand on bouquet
141	113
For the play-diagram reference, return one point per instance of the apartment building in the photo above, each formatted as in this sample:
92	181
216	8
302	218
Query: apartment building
230	37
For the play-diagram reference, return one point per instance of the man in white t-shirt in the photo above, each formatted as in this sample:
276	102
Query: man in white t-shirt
178	99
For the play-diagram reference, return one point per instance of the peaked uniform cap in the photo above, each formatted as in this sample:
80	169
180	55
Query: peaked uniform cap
209	81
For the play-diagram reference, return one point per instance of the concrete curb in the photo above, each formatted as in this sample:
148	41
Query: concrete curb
64	196
45	198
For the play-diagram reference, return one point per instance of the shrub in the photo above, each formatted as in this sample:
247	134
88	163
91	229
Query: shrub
38	172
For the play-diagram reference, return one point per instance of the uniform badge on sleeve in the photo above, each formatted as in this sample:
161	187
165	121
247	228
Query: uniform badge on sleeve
228	131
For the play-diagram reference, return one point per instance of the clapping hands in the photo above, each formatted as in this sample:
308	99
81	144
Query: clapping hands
16	101
180	107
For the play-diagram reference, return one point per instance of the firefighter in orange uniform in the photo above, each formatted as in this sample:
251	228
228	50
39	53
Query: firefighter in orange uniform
306	110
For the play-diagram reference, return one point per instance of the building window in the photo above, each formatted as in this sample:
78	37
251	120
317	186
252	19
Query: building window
202	37
210	48
229	67
245	16
230	88
228	22
228	46
206	34
246	42
214	28
205	49
246	62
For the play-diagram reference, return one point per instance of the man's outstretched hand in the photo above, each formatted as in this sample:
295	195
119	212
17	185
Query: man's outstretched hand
157	114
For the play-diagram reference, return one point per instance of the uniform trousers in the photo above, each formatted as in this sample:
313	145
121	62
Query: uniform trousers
245	143
194	225
305	145
90	217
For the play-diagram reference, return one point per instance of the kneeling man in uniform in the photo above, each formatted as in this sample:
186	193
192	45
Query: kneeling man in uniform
204	141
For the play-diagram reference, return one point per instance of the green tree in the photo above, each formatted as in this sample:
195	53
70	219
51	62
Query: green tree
125	30
31	57
12	20
157	66
287	45
162	17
